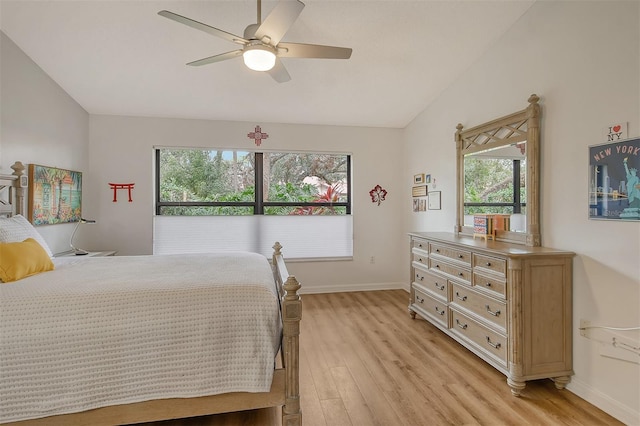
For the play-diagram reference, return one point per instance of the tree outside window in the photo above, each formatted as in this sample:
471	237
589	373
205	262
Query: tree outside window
196	182
493	185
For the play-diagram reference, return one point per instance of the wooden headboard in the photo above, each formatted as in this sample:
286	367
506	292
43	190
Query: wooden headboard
12	189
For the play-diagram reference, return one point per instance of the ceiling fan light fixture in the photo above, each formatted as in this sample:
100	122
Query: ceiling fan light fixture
261	42
259	57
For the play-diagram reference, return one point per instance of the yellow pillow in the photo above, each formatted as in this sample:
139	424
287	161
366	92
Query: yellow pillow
21	260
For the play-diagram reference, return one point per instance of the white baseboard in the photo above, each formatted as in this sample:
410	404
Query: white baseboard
341	288
612	407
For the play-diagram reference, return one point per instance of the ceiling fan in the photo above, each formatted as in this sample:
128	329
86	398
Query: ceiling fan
261	46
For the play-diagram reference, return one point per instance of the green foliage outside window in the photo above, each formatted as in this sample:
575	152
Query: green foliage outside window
202	182
490	181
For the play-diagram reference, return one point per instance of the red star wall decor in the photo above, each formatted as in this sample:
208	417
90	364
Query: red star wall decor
257	135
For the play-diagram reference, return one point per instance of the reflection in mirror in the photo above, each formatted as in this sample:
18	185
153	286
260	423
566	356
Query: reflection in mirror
495	183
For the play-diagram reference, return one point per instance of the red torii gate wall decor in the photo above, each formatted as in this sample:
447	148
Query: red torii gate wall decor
116	186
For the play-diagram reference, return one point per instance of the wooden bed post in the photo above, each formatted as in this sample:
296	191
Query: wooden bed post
18	170
291	316
277	254
288	287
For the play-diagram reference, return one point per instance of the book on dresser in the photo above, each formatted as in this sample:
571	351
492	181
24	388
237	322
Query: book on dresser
509	304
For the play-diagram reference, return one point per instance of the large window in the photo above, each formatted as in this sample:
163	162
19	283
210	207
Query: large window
208	200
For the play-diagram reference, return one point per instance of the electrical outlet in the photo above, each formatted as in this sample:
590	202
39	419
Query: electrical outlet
583	329
612	344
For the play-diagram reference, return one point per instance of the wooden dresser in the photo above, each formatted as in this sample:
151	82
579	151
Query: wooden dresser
509	304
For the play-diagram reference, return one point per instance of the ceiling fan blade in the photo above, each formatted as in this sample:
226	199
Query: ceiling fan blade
279	21
300	50
216	58
279	72
203	27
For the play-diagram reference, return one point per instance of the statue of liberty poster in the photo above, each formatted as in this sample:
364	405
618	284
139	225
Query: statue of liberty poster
614	181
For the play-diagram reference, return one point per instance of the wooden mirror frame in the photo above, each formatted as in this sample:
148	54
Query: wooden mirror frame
514	128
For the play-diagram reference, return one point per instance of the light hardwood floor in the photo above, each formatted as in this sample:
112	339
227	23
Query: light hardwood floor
365	362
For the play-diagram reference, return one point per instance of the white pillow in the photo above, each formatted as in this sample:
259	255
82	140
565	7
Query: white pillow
17	228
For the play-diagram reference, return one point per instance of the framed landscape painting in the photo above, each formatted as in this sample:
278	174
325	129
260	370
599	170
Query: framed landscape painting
55	195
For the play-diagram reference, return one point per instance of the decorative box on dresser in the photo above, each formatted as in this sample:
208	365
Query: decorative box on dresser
509	304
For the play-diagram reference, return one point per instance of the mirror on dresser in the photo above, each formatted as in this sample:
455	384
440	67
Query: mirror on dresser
498	172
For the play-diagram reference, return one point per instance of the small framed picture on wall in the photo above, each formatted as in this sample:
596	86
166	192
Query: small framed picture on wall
419	191
418	179
434	200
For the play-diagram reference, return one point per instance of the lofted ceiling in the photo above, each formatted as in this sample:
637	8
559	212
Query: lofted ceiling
121	58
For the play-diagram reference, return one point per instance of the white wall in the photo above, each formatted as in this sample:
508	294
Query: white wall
582	59
121	151
40	124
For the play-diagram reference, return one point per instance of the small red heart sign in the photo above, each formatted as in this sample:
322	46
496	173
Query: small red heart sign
616	128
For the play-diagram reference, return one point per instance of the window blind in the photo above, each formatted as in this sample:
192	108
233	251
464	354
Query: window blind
302	237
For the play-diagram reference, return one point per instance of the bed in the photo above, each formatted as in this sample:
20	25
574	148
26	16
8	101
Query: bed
130	339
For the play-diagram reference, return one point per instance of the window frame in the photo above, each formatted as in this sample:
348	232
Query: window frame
259	203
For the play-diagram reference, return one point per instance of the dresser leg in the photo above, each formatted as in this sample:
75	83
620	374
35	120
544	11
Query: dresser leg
516	387
561	381
412	314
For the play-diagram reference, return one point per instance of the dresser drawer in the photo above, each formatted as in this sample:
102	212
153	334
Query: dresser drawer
420	244
451	252
434	308
493	264
433	284
457	272
491	310
421	258
480	336
494	286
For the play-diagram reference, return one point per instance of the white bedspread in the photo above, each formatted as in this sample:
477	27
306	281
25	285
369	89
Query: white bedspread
113	330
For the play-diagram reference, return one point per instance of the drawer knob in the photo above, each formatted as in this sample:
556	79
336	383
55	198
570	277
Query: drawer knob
420	245
461	274
488	263
495	345
438	266
463	298
440	287
460	256
440	312
461	325
488	284
495	314
419	299
437	250
420	259
419	277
